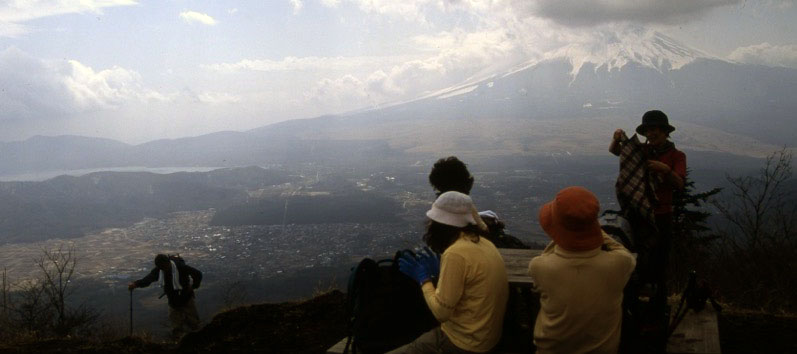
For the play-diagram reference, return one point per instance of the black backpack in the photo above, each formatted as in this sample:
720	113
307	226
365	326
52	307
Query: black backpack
178	261
385	308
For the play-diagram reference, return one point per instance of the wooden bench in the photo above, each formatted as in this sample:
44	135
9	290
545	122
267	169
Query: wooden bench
516	262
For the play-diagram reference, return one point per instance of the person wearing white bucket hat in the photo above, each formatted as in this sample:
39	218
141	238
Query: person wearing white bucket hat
471	293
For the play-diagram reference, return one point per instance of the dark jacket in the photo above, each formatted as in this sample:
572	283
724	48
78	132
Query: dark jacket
177	298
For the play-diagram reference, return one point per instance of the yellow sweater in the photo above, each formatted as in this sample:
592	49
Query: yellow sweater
581	295
471	294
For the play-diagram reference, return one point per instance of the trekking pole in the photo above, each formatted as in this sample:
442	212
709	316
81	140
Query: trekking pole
131	312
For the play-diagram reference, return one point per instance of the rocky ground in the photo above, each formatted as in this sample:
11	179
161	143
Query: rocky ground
314	325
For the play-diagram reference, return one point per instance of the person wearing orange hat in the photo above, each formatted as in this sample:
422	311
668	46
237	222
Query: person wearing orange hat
580	277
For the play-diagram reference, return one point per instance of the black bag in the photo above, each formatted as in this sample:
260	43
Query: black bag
385	308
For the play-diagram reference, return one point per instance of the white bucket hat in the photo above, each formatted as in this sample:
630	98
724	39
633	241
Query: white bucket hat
454	209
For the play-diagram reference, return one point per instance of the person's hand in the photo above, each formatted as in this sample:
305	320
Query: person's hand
131	286
659	167
430	260
617	134
413	268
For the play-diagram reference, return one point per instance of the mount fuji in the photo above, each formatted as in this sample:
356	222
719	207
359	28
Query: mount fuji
568	100
608	82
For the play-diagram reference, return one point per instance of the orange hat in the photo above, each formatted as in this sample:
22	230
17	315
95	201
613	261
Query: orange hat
571	219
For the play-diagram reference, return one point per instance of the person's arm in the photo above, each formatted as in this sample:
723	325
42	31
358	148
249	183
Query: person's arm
614	147
145	281
678	178
675	175
627	259
534	273
443	299
196	276
612	244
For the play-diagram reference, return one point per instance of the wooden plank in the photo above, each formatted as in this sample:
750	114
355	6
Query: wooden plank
698	332
338	347
517	265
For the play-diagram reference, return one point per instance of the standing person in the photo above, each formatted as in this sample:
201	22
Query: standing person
178	288
580	277
668	165
472	289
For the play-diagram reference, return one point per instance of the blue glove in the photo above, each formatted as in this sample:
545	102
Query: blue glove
413	268
430	260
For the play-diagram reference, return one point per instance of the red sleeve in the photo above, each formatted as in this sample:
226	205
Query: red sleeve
679	164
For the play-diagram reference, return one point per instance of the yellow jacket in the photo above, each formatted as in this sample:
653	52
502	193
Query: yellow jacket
471	294
581	295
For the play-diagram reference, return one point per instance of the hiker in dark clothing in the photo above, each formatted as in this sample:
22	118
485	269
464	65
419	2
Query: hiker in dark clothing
178	288
666	167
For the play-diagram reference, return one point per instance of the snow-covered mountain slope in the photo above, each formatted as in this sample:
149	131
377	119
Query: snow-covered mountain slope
622	75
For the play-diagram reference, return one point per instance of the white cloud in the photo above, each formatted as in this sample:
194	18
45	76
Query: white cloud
193	16
766	54
30	88
330	3
218	98
14	13
297	6
410	10
456	56
232	11
40	90
107	89
300	64
337	95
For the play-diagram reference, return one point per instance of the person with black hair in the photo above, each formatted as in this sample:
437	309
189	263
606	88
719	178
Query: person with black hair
450	174
178	281
472	290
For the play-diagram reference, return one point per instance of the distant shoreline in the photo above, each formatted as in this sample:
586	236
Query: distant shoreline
43	176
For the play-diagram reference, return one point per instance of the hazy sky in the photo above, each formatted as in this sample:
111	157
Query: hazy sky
138	70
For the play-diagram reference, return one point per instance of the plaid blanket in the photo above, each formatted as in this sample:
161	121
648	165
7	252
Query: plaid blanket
635	184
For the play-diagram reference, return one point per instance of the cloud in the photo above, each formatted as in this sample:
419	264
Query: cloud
766	54
299	64
35	89
337	95
330	3
410	10
14	13
107	89
574	13
593	12
218	98
297	6
30	89
455	56
193	16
